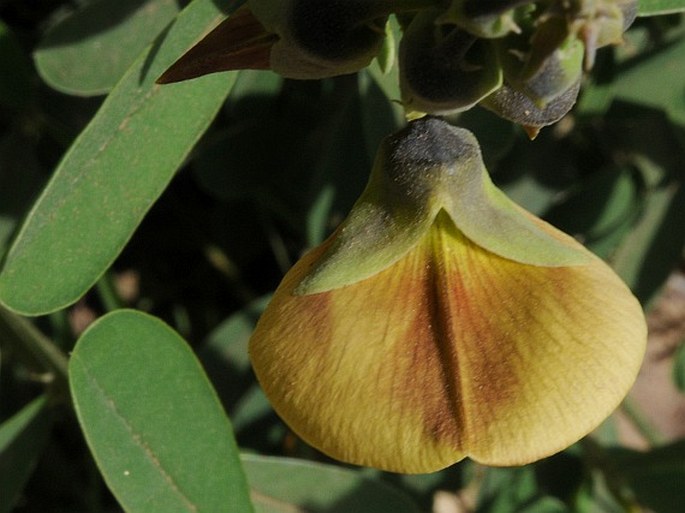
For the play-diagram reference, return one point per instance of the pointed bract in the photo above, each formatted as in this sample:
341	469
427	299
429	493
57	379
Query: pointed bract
238	42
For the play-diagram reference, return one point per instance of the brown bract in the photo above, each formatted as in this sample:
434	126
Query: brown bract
239	42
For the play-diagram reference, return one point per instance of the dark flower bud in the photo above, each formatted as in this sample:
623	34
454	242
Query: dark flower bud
322	38
510	103
547	65
443	68
306	39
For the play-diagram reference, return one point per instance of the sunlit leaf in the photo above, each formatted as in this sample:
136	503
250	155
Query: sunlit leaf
153	421
112	174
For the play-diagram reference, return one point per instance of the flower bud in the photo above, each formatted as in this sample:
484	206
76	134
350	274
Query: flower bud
305	39
322	38
484	18
547	66
597	23
510	103
443	68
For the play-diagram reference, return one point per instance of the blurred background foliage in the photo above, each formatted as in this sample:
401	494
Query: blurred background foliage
274	172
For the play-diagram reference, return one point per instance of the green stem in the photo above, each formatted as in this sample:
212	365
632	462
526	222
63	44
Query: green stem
27	339
637	418
107	292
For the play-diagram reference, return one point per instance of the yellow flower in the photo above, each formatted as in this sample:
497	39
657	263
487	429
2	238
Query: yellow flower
441	321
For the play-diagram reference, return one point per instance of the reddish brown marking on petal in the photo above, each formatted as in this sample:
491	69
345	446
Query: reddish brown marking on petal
472	339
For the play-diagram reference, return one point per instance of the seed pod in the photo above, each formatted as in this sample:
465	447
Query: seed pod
443	68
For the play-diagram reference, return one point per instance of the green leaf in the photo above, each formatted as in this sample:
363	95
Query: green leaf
655	7
637	84
152	420
656	477
225	352
647	255
515	490
112	174
601	209
70	55
281	485
679	368
22	438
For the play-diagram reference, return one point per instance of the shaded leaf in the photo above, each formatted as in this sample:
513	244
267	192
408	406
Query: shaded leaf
282	485
22	438
88	52
224	353
651	250
112	174
636	82
152	420
600	210
515	490
656	477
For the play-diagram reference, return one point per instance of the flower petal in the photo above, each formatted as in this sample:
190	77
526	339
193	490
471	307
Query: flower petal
452	351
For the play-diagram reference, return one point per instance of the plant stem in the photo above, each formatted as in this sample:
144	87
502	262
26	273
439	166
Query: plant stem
26	338
107	292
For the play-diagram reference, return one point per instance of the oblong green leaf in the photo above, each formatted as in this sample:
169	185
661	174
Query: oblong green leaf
152	420
89	51
284	485
112	174
22	438
655	7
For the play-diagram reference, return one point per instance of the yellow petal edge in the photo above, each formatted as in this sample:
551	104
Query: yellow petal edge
452	351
